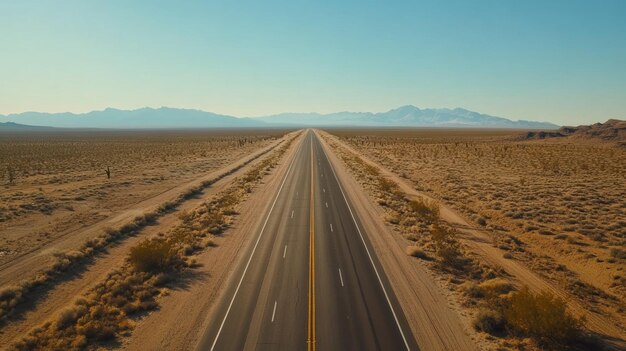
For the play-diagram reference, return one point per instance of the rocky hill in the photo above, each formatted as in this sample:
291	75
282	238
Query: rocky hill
612	130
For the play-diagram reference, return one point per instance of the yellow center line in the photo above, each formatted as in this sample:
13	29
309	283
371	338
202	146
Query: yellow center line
311	328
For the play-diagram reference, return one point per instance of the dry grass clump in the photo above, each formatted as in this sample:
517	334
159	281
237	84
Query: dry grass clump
427	209
447	247
106	312
155	255
542	316
415	251
489	321
99	316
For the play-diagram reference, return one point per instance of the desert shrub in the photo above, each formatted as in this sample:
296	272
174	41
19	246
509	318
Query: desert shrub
426	209
618	253
542	316
489	321
495	287
154	255
446	246
415	251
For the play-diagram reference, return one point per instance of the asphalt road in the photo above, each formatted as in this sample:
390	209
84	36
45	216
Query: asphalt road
310	280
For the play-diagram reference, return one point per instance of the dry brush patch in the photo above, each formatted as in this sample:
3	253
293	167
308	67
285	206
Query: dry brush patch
55	182
486	290
110	309
557	205
12	297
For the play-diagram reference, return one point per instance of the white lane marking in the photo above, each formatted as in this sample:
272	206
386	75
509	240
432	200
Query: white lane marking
331	227
395	317
324	189
230	305
327	205
340	277
274	312
291	213
285	251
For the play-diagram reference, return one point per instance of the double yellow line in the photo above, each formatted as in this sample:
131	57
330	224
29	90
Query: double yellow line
311	334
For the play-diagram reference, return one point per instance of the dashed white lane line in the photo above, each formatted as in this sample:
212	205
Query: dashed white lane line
291	213
340	277
274	312
285	251
369	255
232	300
324	189
327	205
331	227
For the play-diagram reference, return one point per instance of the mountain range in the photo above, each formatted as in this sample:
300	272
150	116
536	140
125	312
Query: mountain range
165	117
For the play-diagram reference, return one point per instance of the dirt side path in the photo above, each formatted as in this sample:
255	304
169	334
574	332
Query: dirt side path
481	244
50	303
29	264
432	315
185	314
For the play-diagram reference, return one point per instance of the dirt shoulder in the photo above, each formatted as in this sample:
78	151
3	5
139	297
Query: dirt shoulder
432	315
481	244
186	312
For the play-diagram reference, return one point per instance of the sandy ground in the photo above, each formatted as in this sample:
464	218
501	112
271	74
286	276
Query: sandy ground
61	187
36	259
481	244
52	299
185	313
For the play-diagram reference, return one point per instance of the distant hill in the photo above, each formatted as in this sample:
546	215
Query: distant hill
12	126
163	117
409	116
611	130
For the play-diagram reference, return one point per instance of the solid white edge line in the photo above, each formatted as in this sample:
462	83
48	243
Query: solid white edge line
368	254
230	305
274	312
340	277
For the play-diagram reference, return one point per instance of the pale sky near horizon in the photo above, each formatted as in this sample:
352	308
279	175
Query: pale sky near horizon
557	61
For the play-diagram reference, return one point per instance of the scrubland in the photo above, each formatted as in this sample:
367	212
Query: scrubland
556	206
109	310
54	182
198	161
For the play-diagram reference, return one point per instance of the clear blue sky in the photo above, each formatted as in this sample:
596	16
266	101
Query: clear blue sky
559	61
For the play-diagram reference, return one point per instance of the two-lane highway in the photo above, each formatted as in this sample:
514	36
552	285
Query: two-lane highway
310	280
